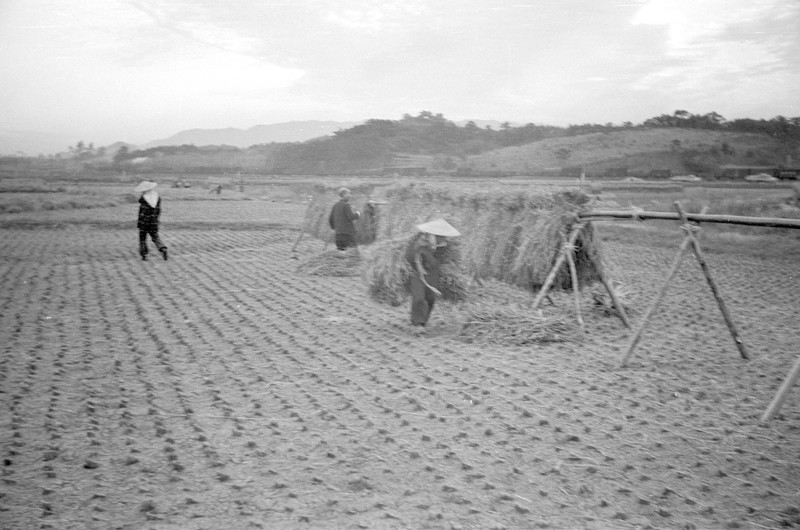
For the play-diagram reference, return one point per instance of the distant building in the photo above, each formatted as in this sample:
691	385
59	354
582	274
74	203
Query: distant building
738	172
786	173
408	165
616	172
405	171
572	172
660	173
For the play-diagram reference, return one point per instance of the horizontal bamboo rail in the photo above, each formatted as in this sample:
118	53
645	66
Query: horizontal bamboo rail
775	222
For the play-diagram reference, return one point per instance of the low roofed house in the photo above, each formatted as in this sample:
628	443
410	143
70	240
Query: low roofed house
738	172
408	165
616	172
787	173
572	171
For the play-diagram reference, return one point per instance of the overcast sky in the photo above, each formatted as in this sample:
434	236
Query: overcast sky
139	70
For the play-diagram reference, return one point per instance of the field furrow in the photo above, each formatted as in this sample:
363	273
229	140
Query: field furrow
224	387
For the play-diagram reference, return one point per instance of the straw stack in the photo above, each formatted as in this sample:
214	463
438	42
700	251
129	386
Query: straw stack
315	222
513	237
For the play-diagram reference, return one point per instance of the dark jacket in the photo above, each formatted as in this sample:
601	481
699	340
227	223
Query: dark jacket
342	217
431	261
148	216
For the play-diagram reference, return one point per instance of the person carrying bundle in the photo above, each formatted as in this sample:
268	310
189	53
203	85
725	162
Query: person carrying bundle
341	221
148	221
425	256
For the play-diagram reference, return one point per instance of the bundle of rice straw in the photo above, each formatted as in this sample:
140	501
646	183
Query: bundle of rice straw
514	237
626	295
367	225
508	325
333	263
386	271
454	283
315	222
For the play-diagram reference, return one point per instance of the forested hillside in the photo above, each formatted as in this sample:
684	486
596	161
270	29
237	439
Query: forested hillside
682	142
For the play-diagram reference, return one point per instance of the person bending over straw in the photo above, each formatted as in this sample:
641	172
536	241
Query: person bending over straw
149	213
425	257
341	221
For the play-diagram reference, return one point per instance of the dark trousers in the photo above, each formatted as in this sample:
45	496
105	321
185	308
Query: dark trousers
153	232
344	240
422	301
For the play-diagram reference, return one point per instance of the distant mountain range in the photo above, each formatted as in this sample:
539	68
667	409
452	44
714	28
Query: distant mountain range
292	131
32	143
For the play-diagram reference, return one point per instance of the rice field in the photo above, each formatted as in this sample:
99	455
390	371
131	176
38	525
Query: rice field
227	387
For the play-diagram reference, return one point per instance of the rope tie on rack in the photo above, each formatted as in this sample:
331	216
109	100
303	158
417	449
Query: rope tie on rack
690	228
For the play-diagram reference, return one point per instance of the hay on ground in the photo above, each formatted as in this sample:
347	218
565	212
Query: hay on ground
491	323
333	263
625	293
499	313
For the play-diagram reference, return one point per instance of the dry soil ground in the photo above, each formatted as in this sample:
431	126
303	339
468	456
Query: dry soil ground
223	389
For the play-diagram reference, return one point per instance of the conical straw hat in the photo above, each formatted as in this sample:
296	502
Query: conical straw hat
439	227
145	185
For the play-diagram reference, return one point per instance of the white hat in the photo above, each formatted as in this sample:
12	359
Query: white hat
439	227
145	185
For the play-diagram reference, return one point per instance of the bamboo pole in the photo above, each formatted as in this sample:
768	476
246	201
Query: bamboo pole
299	237
698	254
783	392
637	335
775	222
548	282
599	265
570	251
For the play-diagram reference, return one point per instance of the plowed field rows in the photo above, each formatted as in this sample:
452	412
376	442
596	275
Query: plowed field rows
181	213
223	389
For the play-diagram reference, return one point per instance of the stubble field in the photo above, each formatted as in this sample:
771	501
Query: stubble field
222	388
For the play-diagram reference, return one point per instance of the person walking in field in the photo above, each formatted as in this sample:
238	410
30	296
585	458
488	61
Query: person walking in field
425	256
149	215
341	221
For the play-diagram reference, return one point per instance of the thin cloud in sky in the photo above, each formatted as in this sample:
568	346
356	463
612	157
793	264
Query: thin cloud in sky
718	51
137	70
376	17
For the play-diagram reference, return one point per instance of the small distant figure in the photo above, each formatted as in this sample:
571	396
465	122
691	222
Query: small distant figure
216	188
341	221
149	214
425	261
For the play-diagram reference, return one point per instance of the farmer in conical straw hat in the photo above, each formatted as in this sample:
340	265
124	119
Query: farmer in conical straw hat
424	256
149	213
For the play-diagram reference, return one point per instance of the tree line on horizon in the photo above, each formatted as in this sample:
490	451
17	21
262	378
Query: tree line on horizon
376	142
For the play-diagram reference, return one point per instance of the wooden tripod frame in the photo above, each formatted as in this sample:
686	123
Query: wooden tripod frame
689	239
567	254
